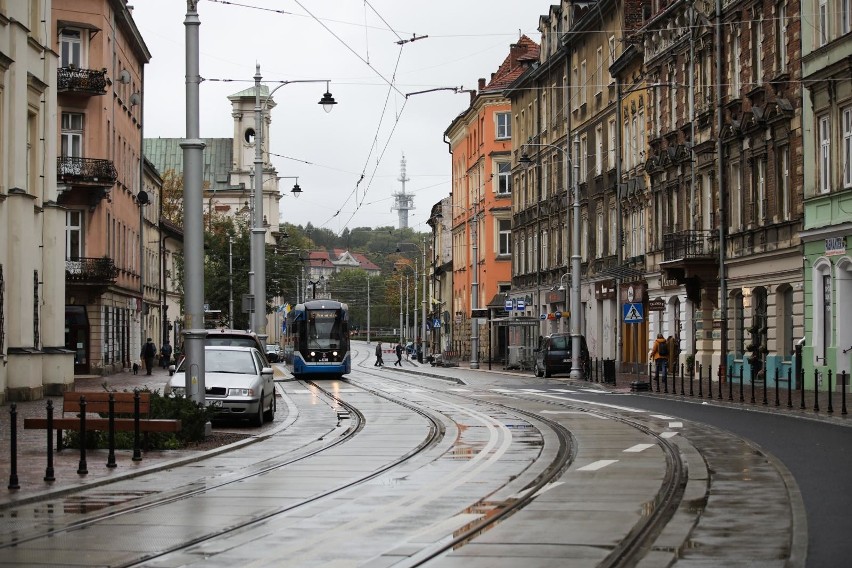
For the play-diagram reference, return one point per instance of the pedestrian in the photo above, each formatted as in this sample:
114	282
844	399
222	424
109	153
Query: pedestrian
149	351
379	362
398	354
166	354
660	355
673	345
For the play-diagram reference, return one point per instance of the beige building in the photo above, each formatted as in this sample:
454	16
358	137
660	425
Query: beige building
32	286
108	252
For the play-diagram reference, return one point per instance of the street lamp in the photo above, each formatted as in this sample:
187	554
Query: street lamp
422	328
258	232
576	372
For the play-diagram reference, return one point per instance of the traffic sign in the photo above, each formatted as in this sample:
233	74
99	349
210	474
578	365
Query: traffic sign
633	313
520	305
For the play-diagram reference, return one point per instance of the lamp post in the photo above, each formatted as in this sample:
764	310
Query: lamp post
258	231
574	309
231	281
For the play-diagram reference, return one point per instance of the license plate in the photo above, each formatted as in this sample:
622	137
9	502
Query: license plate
566	360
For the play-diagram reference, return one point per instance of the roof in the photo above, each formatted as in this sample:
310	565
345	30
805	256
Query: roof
166	154
521	55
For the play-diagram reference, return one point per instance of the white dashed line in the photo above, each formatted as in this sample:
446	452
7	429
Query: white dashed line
594	466
662	417
668	435
675	424
639	448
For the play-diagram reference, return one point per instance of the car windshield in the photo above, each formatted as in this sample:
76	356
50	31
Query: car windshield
560	343
222	361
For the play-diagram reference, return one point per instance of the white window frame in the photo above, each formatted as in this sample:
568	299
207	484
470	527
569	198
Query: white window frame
545	259
599	149
823	22
71	144
584	152
504	237
600	70
824	162
781	35
757	48
599	241
736	53
584	78
845	16
504	178
846	124
613	230
761	190
71	48
611	150
784	183
74	225
504	125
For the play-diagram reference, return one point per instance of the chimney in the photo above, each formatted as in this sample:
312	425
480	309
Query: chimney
481	83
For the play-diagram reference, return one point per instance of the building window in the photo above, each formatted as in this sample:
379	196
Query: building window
781	37
736	83
627	143
823	22
576	75
70	48
612	49
845	16
599	241
545	179
757	46
783	183
504	125
584	239
504	237
785	329
504	178
611	150
599	71
73	235
824	154
584	80
760	190
613	230
72	135
545	251
846	117
584	153
599	149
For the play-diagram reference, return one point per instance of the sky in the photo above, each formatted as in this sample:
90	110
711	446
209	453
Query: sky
354	45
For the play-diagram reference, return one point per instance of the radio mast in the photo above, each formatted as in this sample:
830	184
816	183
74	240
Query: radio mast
403	202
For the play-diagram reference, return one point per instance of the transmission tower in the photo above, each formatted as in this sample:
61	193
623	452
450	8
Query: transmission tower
403	202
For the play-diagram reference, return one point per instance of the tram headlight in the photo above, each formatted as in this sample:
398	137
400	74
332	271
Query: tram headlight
313	353
334	353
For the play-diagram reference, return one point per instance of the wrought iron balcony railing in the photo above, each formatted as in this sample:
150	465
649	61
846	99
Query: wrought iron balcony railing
83	81
85	170
687	245
91	271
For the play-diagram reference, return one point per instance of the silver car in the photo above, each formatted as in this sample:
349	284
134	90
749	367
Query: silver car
236	379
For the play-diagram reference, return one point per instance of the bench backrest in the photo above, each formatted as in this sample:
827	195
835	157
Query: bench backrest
98	401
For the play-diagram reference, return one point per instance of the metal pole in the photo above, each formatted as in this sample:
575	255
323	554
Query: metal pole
723	223
231	281
474	290
368	308
423	342
407	310
619	227
258	233
576	372
193	147
400	308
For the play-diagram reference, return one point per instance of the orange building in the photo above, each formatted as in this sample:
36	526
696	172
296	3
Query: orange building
480	140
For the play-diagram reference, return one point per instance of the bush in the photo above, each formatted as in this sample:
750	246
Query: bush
193	417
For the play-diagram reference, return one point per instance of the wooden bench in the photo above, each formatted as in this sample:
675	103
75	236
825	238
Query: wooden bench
97	402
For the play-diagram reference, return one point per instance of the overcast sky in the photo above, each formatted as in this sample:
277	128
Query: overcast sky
353	43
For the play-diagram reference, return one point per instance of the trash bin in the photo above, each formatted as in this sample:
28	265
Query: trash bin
609	371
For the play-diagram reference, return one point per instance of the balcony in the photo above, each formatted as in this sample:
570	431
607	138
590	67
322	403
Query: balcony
85	172
72	80
690	255
91	271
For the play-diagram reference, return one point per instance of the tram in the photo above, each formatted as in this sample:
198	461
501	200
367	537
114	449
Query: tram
318	333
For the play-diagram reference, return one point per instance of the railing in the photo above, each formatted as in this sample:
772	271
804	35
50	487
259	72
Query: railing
87	81
89	170
91	271
688	244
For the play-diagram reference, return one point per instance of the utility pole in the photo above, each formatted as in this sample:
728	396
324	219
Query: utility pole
258	232
474	304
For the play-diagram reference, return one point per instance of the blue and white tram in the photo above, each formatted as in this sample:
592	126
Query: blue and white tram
318	333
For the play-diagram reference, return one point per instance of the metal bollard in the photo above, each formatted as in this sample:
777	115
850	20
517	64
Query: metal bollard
830	407
82	468
816	390
790	387
48	472
111	434
751	377
801	386
742	371
137	450
843	391
777	400
674	379
731	384
682	392
700	381
13	447
691	377
721	374
765	387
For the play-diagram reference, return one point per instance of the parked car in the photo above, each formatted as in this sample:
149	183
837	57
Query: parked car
236	379
553	355
233	337
273	353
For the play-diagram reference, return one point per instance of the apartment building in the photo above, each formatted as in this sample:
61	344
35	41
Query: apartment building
480	141
826	35
99	178
32	240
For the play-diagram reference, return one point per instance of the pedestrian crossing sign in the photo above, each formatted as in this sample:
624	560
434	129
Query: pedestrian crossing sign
633	313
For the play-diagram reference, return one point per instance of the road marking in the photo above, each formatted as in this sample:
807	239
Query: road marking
675	424
662	417
581	401
502	390
639	448
458	390
596	391
544	489
566	391
668	435
533	391
594	466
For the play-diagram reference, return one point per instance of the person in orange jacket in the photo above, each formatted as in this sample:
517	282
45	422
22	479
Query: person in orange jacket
660	355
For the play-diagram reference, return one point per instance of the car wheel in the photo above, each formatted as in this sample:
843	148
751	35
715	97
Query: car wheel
538	371
270	414
258	418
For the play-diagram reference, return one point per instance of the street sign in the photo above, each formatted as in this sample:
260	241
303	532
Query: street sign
509	305
633	313
521	304
657	305
479	313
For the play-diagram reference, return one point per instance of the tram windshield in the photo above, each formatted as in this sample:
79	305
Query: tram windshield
324	329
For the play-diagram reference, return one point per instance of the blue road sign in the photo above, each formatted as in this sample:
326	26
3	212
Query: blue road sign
633	313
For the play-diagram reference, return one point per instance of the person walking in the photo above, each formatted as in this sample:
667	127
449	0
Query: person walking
660	355
165	354
398	355
673	345
379	362
149	351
